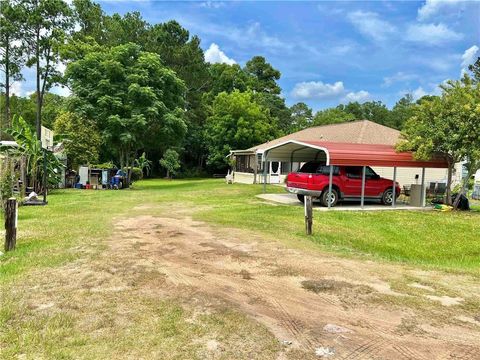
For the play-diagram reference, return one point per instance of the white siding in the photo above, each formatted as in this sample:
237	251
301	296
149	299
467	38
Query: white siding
406	176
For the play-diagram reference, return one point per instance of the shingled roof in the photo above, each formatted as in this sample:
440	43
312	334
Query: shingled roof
354	132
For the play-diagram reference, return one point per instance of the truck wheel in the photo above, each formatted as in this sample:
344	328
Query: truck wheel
301	198
327	197
387	197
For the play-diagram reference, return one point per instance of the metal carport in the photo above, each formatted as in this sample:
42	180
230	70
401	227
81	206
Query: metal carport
349	154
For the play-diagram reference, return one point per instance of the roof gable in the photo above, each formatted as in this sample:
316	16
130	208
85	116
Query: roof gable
358	132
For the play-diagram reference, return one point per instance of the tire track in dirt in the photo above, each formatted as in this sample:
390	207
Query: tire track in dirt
206	260
292	325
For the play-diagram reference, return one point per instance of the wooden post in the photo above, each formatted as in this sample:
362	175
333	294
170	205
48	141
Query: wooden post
308	214
11	224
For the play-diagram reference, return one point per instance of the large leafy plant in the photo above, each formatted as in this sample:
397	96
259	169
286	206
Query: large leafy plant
30	148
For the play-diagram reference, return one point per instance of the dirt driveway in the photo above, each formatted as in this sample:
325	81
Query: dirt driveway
317	305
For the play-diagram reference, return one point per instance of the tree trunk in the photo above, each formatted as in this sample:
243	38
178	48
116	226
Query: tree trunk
38	122
7	87
448	191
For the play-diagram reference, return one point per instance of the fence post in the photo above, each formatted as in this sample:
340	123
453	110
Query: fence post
308	214
11	213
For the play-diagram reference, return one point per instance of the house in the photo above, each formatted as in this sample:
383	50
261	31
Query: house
249	164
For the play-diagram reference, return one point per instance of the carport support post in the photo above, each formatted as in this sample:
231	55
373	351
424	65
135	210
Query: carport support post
362	199
265	172
394	186
422	195
330	180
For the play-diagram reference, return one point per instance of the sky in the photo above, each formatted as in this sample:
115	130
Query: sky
330	52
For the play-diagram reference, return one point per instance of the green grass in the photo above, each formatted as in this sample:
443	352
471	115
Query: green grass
130	324
73	217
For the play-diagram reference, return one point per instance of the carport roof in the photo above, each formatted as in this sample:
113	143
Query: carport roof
334	153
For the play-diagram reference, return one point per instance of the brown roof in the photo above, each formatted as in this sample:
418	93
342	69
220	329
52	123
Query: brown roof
359	132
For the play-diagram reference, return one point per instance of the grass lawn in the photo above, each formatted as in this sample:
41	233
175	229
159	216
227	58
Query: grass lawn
75	224
448	241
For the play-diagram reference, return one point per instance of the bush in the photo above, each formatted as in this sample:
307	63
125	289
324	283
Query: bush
136	174
195	172
104	166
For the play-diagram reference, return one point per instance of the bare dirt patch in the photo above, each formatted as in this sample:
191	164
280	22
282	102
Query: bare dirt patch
296	294
314	304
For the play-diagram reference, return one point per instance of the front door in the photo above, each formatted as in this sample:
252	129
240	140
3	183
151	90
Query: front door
275	170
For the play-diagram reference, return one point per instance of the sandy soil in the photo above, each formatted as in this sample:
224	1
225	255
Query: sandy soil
318	305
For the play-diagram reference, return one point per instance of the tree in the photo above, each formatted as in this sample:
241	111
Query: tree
475	69
236	122
11	51
134	100
332	116
447	125
401	112
183	54
81	139
302	117
170	162
279	113
263	77
46	27
225	78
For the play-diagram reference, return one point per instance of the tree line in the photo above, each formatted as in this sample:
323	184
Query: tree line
139	88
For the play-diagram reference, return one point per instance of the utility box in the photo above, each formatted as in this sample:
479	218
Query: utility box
417	195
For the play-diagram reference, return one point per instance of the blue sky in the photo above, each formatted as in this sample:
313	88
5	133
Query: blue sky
332	52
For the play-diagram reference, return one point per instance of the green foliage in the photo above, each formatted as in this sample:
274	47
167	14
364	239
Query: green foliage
143	164
302	117
475	69
447	125
170	162
135	173
31	149
332	116
7	179
45	31
12	53
263	76
131	97
105	166
81	139
237	122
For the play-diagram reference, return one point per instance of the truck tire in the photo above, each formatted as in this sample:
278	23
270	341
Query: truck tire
301	198
333	197
387	197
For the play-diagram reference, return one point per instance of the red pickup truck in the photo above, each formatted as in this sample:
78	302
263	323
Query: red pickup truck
313	177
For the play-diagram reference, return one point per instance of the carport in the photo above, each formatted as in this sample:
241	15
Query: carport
349	154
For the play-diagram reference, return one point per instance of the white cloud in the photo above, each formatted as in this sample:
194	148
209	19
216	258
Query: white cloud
418	93
359	96
470	56
431	34
215	55
398	77
212	4
433	7
16	88
369	24
317	90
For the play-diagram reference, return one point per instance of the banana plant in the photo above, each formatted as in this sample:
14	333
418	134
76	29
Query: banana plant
143	163
30	148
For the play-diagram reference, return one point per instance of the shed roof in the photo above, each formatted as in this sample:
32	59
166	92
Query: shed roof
359	132
335	153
